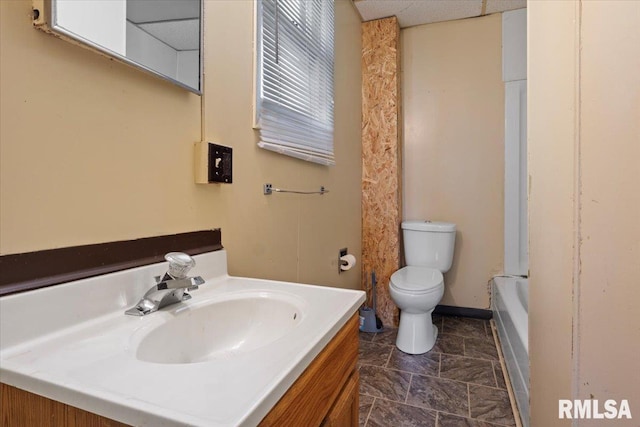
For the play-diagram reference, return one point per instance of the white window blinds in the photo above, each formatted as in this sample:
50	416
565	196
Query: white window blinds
295	49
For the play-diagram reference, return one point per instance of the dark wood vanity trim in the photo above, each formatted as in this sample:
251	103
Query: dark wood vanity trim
33	270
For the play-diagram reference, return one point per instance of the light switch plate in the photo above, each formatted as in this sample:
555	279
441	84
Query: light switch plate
213	163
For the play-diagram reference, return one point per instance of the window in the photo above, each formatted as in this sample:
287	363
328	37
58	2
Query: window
294	78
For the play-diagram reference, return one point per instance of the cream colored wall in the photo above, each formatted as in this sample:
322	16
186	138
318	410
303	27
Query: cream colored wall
94	151
608	320
453	101
552	150
89	147
584	146
283	236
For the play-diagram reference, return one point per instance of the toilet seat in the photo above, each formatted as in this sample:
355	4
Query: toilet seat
417	280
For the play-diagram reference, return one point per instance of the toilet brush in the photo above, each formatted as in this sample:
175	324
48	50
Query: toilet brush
369	320
374	282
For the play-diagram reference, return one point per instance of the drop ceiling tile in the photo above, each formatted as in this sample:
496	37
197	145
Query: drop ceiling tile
428	11
180	35
139	11
416	12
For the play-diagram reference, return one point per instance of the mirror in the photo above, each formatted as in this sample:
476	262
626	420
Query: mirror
163	37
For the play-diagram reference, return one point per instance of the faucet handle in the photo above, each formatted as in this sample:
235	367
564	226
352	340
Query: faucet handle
179	264
195	283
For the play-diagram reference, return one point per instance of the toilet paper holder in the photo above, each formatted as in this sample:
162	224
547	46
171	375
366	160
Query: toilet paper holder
344	265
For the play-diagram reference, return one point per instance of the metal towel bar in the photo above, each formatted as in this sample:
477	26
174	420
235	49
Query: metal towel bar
268	189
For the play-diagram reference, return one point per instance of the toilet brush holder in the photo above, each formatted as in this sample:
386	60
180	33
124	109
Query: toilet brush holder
368	320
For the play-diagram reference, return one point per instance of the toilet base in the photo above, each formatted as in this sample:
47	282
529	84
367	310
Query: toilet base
416	334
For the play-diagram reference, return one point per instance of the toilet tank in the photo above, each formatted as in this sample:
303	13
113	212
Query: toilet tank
429	244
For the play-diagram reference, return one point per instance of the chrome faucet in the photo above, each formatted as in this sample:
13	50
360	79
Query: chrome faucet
170	288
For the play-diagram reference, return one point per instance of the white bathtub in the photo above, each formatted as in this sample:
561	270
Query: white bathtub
510	305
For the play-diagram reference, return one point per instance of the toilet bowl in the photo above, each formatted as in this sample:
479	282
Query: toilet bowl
416	291
417	288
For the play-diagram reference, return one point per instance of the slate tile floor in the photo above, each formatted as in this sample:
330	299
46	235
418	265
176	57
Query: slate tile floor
458	383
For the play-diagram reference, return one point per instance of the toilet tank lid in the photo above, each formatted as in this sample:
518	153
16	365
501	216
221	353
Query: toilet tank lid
433	226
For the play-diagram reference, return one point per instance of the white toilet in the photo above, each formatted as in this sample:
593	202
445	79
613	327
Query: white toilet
417	288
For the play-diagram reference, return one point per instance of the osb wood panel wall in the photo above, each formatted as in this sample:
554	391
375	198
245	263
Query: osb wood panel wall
381	159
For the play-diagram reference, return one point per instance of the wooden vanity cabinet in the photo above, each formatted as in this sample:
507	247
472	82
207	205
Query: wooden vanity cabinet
24	409
326	394
345	411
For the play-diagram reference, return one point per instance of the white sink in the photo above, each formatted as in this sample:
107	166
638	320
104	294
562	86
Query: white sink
221	359
240	323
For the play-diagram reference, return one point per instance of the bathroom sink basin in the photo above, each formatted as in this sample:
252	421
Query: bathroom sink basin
223	358
221	329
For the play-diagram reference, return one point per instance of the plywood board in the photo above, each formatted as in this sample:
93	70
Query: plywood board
381	159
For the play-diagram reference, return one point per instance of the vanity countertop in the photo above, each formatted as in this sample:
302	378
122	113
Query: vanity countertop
73	343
